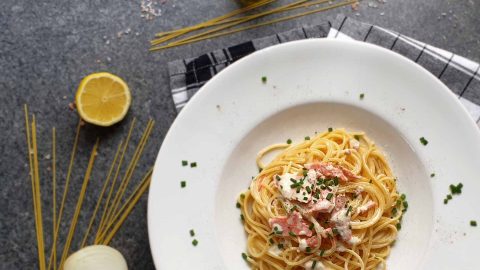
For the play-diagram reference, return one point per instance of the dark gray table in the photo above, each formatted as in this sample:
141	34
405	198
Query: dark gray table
46	47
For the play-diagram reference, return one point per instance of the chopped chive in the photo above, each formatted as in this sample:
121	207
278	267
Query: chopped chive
432	175
183	184
277	177
260	170
238	205
307	138
305	198
329	196
399	226
449	197
264	79
192	233
423	141
184	163
193	164
311	226
292	234
322	252
473	223
394	211
335	231
403	197
405	204
305	172
308	249
330	129
335	181
289	141
445	201
244	256
279	232
362	95
280	246
271	241
348	210
194	242
242	196
314	263
309	190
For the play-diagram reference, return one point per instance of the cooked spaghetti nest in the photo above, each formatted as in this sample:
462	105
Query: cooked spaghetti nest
329	202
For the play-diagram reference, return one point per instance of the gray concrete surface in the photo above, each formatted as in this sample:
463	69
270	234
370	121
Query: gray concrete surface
47	46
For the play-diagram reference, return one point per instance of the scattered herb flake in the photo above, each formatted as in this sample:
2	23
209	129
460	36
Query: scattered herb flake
329	196
194	242
292	234
242	196
423	141
280	246
432	175
183	184
399	226
289	141
192	233
184	163
362	95
307	138
193	164
264	79
238	205
329	130
322	252
242	217
244	256
270	240
473	223
308	249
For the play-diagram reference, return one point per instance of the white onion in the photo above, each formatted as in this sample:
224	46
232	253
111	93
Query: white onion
97	257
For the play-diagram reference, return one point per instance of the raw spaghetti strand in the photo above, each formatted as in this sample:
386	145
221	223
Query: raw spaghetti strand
37	192
330	200
127	211
225	24
35	199
174	33
54	196
65	189
73	223
128	173
112	186
100	196
130	198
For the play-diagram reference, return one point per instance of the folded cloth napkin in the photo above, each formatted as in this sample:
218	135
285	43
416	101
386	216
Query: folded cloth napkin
461	75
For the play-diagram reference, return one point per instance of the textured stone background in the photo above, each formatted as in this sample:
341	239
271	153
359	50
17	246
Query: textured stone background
47	46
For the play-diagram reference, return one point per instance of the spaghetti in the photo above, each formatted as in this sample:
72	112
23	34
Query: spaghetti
330	202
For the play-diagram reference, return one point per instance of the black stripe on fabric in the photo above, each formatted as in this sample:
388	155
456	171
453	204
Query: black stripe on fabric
304	33
421	52
470	80
190	77
278	38
214	66
368	33
227	56
445	67
395	41
340	27
241	50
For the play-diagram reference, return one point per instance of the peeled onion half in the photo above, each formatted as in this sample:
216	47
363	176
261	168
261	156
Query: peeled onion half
97	257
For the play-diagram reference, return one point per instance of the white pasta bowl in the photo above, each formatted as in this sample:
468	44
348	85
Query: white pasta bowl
312	85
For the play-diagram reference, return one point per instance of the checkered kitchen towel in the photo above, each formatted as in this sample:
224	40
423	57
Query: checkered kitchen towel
461	75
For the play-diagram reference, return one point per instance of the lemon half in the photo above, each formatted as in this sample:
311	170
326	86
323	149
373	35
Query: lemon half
102	99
